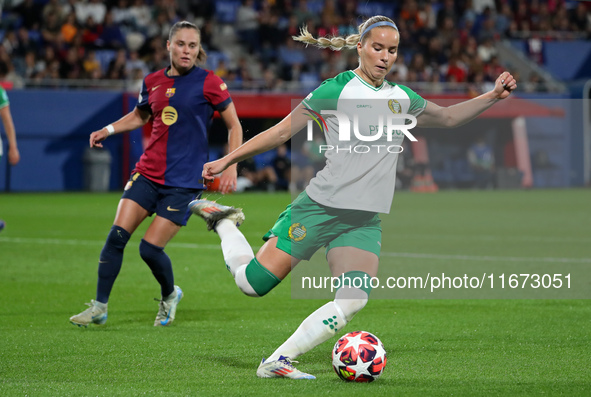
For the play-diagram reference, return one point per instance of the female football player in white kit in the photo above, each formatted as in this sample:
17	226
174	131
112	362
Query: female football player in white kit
339	208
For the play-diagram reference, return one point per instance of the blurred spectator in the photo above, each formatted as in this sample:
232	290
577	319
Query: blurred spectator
32	67
290	54
282	167
117	67
247	25
142	15
111	35
334	65
25	43
94	9
269	31
134	62
447	31
581	18
207	36
456	72
71	67
399	69
487	30
493	68
155	54
256	178
304	15
70	28
535	49
30	13
404	167
135	81
417	65
122	14
535	84
271	82
503	19
487	50
90	64
57	8
222	69
480	5
482	161
448	11
91	32
51	29
434	54
10	42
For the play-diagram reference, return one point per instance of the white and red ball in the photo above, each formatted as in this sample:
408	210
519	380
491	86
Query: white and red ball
359	357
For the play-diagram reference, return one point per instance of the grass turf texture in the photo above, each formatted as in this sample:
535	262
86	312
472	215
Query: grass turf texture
49	252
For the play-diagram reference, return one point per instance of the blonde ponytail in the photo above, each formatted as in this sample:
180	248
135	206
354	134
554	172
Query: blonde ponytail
334	43
337	43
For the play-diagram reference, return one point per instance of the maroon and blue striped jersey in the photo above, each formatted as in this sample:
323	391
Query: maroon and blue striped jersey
182	109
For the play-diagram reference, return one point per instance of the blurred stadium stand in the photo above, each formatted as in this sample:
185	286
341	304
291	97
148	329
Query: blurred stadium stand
546	44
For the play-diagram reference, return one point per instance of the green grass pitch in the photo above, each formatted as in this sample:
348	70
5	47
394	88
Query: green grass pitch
48	260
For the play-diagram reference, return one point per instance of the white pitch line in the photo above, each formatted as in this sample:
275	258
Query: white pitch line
410	255
533	239
485	258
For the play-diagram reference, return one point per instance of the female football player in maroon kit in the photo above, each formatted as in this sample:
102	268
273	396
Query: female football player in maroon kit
180	100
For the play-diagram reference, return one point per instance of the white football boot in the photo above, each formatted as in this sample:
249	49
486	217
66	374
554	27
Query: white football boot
95	314
167	309
213	212
282	368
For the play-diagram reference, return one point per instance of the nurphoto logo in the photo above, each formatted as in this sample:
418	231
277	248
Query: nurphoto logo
394	126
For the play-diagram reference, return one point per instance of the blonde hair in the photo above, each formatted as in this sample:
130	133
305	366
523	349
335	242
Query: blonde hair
337	43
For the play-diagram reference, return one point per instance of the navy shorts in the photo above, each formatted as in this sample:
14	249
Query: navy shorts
166	201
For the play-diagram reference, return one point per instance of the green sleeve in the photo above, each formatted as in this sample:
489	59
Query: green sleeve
417	103
326	96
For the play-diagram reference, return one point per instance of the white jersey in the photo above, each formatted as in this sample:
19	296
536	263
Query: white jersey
360	172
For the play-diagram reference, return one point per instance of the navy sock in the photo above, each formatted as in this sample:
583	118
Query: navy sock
110	262
160	265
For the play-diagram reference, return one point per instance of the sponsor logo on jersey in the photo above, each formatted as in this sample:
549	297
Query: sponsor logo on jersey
223	86
297	232
169	115
394	106
318	119
170	92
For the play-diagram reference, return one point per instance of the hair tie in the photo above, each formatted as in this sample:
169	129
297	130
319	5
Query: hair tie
377	25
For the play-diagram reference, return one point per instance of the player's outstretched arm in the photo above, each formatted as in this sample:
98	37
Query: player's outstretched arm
435	116
131	121
230	175
266	140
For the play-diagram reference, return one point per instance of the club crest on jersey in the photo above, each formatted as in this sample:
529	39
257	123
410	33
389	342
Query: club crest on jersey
169	115
170	92
394	106
297	232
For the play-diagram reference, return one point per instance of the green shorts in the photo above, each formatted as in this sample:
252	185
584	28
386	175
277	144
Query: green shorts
305	226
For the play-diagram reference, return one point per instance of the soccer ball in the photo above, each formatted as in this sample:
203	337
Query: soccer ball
359	357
